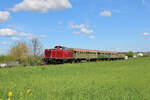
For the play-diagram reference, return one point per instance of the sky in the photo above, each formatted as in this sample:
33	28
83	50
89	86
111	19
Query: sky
111	25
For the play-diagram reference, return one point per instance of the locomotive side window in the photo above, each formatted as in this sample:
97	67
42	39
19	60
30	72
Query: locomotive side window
47	53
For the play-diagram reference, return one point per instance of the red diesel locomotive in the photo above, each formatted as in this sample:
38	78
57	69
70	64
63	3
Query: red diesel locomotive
59	54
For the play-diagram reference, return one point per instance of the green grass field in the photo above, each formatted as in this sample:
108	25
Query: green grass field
118	80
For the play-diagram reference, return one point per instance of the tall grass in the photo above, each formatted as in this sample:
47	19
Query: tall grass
118	80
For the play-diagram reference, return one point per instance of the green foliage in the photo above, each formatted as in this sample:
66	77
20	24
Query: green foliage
130	54
36	60
31	60
20	52
118	80
5	59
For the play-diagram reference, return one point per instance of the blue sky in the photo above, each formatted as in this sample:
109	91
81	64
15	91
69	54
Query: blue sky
113	25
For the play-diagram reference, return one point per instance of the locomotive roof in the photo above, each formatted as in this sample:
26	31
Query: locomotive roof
60	46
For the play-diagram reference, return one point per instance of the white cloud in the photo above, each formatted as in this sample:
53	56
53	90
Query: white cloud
25	34
86	31
42	36
5	43
77	26
145	34
28	36
7	32
42	6
105	14
15	38
83	29
76	32
4	15
92	37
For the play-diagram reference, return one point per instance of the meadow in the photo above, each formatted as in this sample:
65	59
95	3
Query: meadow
114	80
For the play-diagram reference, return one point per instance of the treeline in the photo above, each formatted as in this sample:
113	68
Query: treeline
132	54
24	53
6	58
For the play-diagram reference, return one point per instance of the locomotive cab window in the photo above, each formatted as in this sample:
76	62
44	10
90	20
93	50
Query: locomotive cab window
47	53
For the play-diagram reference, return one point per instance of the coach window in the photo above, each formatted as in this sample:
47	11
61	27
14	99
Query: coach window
75	52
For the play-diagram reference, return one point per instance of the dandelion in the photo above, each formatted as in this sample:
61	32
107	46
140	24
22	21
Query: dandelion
9	99
28	91
10	94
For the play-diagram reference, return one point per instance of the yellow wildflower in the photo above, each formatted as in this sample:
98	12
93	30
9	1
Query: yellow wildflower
28	91
10	94
1	99
9	99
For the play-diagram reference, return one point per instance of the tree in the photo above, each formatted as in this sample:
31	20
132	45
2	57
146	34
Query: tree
130	54
20	52
36	47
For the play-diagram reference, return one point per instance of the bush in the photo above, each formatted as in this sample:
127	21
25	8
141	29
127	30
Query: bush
130	54
36	61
